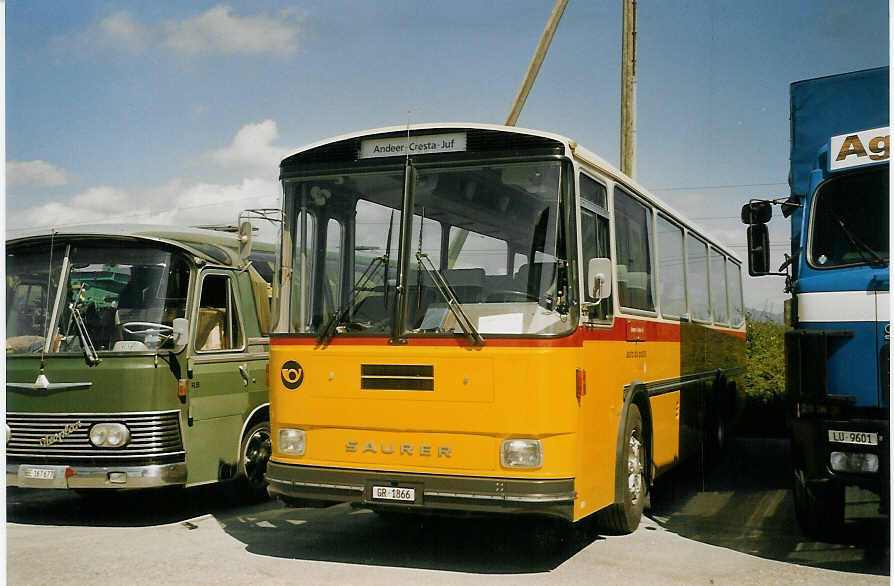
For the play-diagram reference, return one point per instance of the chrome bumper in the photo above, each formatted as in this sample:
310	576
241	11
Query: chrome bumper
553	497
126	477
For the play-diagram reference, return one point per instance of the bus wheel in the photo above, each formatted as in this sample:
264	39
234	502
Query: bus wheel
624	517
253	457
819	507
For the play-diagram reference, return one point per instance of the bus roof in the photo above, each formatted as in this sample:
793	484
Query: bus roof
211	245
570	146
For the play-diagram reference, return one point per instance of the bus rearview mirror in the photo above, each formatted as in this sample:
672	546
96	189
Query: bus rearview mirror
599	282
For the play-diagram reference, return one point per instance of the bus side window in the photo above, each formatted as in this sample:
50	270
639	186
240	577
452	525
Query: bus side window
595	244
697	278
218	325
633	243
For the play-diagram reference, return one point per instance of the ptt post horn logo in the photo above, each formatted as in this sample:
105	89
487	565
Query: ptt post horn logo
292	375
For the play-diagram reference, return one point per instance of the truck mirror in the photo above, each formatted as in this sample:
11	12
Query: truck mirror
245	229
758	250
757	212
181	332
599	282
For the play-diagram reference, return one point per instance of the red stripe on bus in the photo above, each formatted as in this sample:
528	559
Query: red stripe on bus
653	332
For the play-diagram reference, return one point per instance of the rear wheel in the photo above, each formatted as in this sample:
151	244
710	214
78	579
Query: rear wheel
253	456
624	517
818	506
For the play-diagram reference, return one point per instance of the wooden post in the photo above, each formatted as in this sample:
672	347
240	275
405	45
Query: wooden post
628	87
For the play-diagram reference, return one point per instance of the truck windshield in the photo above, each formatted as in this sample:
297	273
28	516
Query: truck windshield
849	224
127	296
494	231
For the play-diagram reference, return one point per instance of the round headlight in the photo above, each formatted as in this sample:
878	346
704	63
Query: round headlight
8	432
109	435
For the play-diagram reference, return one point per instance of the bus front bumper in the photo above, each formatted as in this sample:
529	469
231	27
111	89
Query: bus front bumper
553	497
87	477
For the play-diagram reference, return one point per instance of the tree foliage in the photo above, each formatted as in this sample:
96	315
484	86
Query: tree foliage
764	409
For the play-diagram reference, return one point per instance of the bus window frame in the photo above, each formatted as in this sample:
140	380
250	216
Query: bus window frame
599	212
719	253
232	287
685	315
650	210
707	246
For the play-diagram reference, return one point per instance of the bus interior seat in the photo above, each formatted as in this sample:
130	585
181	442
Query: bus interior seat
530	277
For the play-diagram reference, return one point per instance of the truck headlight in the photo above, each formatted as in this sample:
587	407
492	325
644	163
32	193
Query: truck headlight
109	435
521	453
292	441
853	462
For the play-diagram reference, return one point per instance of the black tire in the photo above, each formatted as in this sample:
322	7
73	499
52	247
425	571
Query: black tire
819	507
254	452
624	517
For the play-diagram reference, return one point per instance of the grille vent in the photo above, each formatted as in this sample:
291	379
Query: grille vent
397	377
154	436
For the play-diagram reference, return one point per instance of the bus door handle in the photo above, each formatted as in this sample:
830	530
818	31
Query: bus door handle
243	370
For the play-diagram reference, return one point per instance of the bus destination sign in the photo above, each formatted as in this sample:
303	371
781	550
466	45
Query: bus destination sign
859	148
413	145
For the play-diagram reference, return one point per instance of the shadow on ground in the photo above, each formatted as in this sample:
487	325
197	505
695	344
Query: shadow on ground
116	509
487	545
744	503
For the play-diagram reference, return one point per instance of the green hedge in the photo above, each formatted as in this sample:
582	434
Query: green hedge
764	409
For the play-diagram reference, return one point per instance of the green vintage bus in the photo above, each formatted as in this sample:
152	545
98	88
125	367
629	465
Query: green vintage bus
136	357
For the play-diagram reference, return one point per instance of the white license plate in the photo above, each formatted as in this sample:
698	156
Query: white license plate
39	473
394	493
863	438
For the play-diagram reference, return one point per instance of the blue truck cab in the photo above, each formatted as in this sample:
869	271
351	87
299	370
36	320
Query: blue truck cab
837	347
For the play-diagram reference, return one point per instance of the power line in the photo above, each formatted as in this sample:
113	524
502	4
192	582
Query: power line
730	186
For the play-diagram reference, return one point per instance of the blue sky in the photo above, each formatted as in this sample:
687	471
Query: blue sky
128	111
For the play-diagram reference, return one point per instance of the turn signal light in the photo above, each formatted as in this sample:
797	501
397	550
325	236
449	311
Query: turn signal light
581	383
182	388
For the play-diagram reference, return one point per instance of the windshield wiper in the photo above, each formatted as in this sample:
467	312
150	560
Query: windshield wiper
90	355
327	330
462	318
855	240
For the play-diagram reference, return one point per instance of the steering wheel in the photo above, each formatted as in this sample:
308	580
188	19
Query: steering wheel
147	329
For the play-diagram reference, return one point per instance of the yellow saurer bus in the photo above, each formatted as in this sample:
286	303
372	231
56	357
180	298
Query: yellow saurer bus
490	319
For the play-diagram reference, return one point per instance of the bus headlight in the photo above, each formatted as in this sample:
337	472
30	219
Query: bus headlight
8	433
521	453
109	435
854	462
292	441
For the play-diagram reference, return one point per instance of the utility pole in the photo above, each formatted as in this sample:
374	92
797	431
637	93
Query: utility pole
628	87
539	54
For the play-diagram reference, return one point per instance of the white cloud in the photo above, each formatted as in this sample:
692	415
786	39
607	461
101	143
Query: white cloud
252	147
35	173
218	31
122	31
172	203
215	32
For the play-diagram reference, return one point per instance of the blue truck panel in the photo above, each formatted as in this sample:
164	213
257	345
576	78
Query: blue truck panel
829	106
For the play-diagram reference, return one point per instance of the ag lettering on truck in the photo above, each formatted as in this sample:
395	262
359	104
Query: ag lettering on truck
859	148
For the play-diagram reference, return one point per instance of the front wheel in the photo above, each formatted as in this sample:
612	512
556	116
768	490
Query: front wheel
253	456
818	506
624	517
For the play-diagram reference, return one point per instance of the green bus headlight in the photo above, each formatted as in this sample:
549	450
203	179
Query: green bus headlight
109	435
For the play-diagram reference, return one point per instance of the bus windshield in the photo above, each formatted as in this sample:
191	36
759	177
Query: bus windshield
849	224
127	297
494	231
